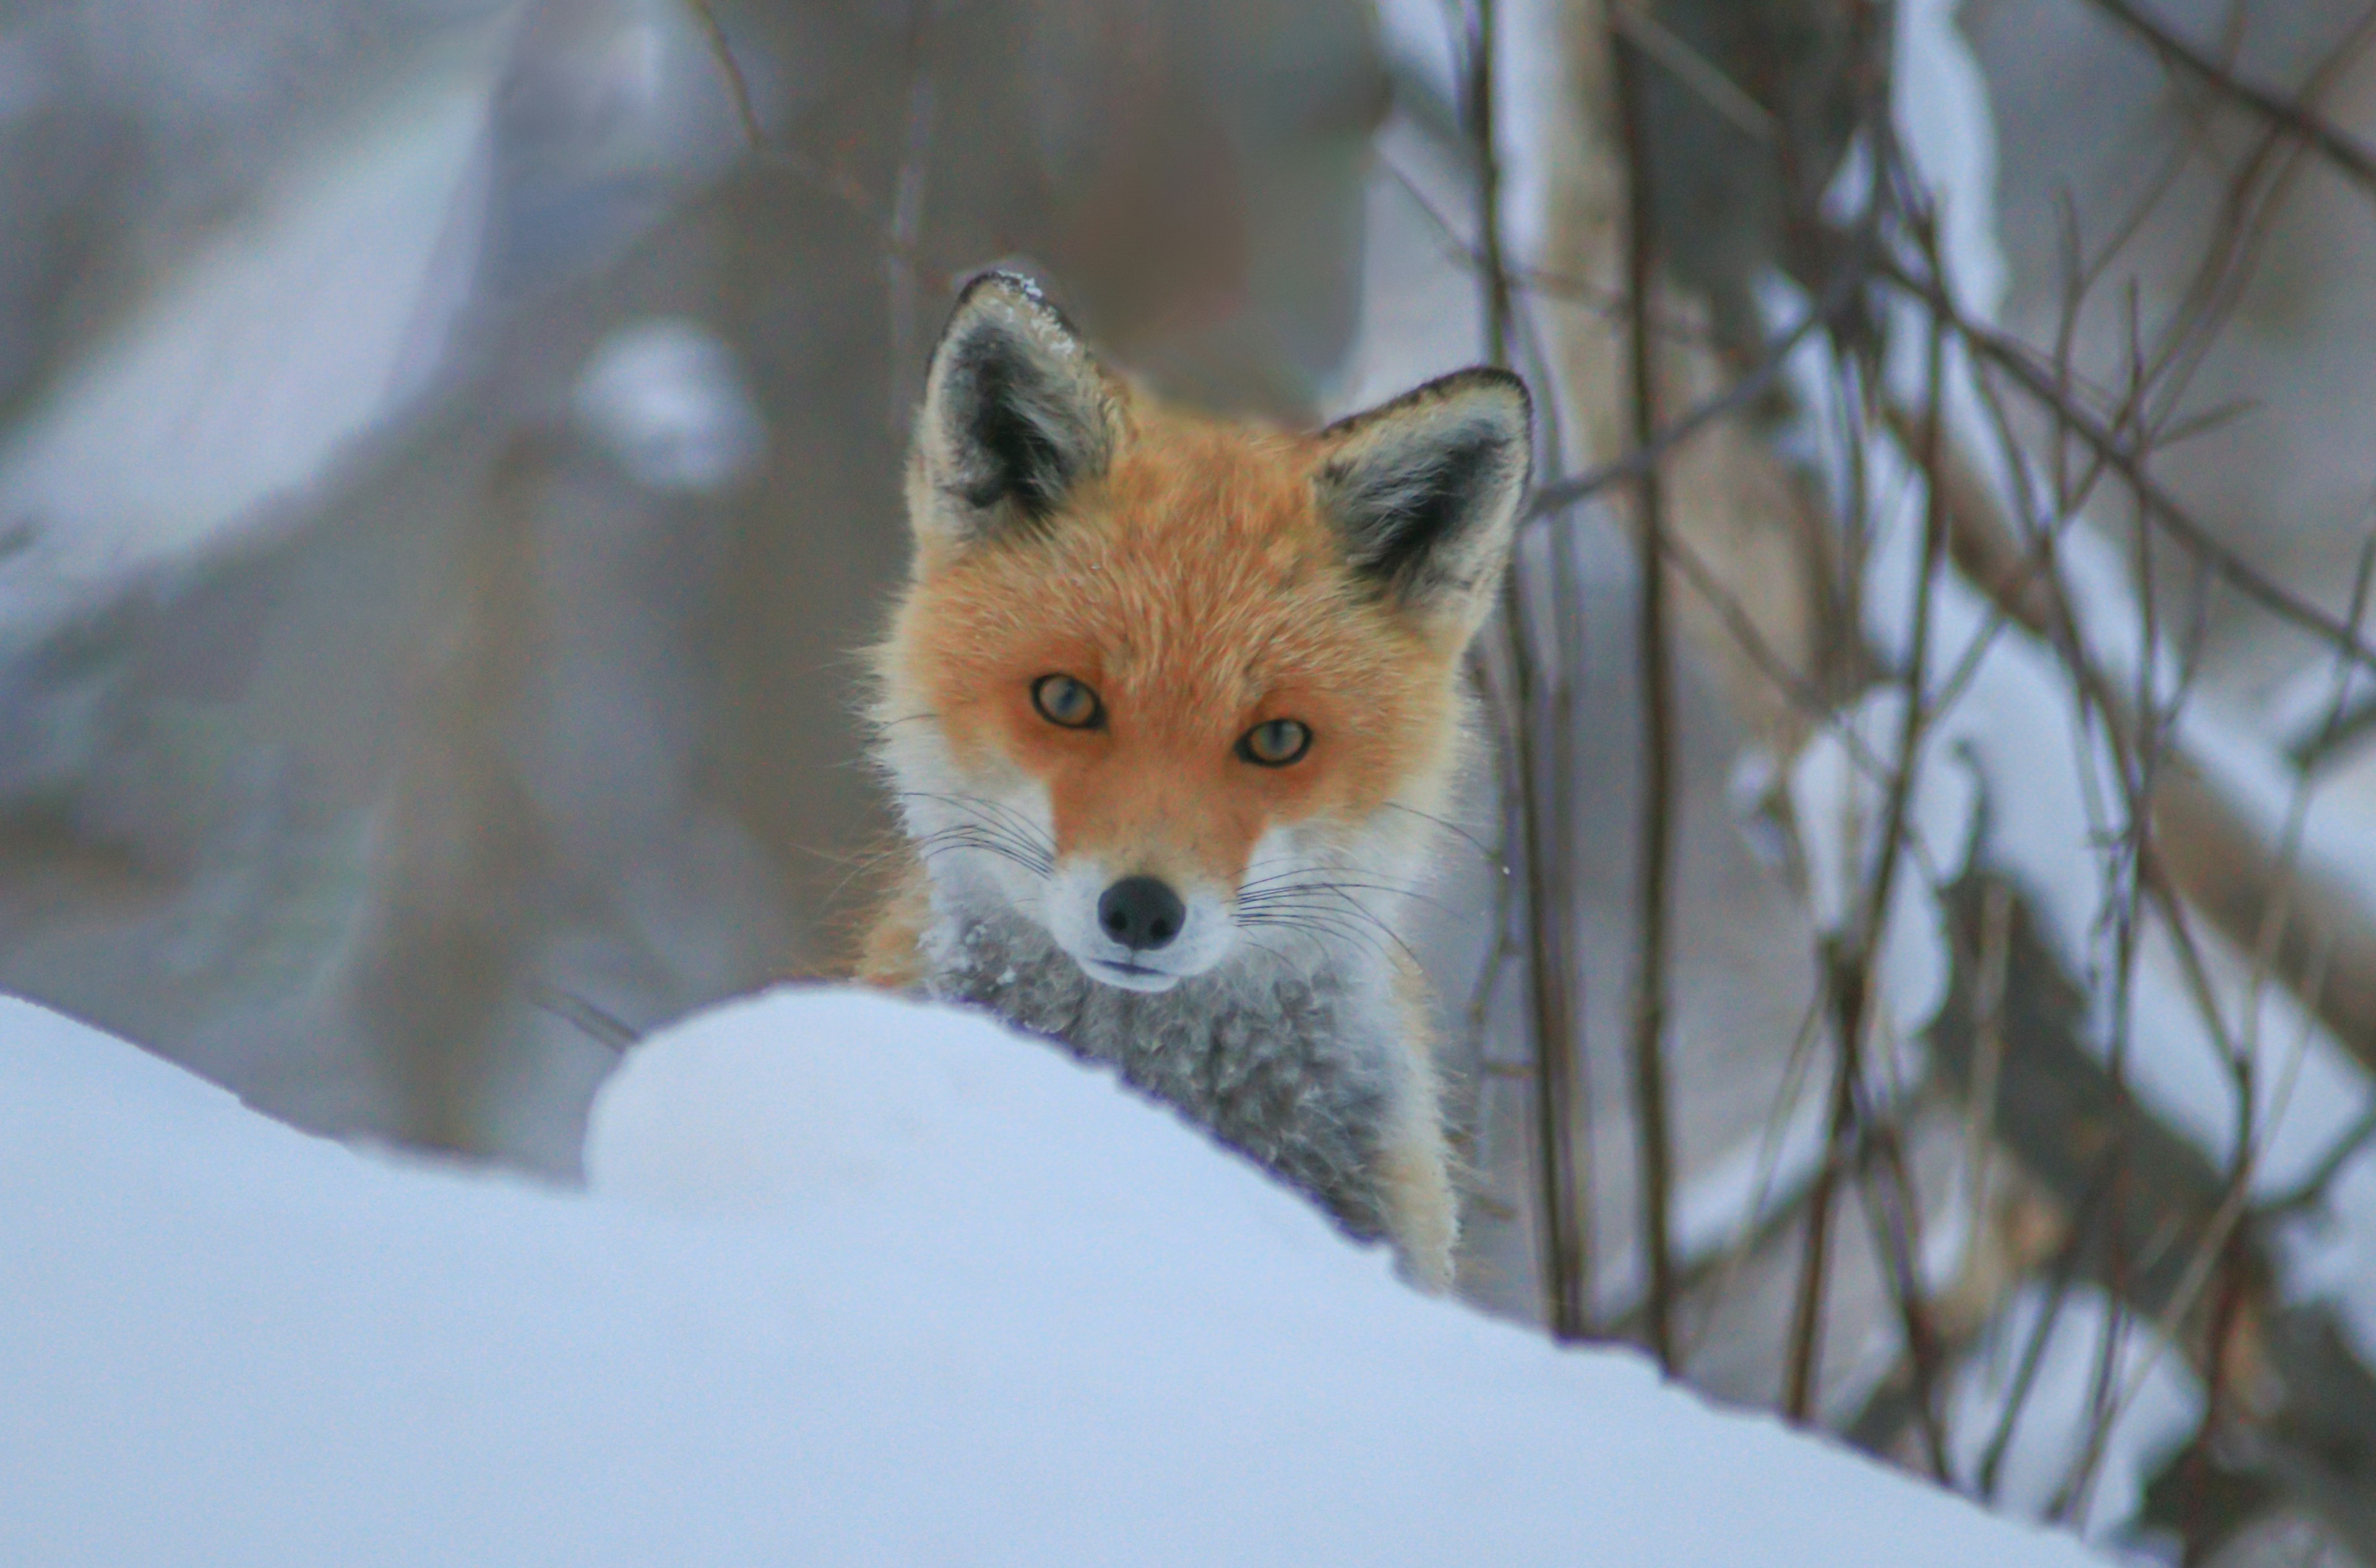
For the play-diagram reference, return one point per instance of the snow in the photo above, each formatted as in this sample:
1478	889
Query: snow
2325	1255
666	397
1941	106
860	1281
2158	1406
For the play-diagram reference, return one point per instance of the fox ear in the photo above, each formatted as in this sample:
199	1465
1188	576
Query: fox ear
1016	412
1425	490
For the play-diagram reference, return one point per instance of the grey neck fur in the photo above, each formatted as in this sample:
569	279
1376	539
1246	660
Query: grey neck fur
1275	1055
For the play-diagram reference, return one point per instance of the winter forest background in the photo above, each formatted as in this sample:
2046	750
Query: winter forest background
1913	967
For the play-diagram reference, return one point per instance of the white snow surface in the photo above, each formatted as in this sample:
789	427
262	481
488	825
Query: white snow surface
861	1281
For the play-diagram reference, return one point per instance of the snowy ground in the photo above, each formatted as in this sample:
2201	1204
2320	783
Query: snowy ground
859	1282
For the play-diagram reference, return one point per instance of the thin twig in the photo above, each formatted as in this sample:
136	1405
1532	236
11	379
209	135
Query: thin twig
1744	392
603	1028
1859	965
1842	988
903	238
738	88
2347	154
1562	1194
2010	356
1637	25
1653	845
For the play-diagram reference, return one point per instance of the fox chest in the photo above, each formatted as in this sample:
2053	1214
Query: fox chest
1293	1067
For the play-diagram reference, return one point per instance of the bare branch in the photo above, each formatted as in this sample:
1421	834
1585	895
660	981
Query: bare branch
1663	442
2356	163
1638	25
2016	361
737	87
1566	1255
2208	846
1655	843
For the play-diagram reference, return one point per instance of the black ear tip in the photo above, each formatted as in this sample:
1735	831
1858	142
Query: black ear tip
1498	395
1488	381
1019	289
1003	280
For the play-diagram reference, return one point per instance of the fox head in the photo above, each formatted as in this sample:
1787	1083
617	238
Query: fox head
1174	687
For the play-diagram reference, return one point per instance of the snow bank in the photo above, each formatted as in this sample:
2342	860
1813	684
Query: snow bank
861	1282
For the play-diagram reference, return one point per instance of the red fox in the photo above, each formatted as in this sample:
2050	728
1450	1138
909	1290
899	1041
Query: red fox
1172	709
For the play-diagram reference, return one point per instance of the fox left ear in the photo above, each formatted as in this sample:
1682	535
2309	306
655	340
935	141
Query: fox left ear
1016	414
1425	490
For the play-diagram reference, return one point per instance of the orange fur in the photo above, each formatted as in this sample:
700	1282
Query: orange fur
888	956
1198	589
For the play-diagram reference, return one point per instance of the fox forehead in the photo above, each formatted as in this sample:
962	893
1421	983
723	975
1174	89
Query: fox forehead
1196	586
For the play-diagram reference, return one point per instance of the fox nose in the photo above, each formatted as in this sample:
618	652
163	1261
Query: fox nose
1141	913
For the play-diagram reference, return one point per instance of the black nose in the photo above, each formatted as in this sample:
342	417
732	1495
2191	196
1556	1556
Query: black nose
1141	913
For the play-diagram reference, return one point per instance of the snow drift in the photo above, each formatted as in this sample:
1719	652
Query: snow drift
859	1282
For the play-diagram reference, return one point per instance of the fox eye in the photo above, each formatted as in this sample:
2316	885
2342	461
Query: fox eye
1276	743
1066	702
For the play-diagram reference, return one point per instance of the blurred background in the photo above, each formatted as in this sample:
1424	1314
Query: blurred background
1911	963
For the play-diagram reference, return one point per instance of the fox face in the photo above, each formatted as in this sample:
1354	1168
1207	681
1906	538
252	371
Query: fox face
1173	688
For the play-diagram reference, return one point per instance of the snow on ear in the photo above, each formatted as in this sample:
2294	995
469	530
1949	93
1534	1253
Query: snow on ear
1425	489
1015	413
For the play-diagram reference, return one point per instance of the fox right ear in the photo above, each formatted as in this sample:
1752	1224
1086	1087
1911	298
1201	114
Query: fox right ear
1016	412
1425	491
